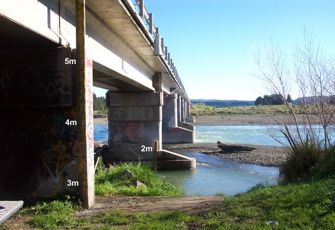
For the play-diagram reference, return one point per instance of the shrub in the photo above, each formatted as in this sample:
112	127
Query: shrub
301	159
308	161
326	165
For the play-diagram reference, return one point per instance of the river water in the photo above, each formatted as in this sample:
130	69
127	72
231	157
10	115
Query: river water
214	175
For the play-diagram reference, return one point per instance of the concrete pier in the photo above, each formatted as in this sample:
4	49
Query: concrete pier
174	131
135	123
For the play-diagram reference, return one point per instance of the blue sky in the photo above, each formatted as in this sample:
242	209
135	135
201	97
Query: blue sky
214	42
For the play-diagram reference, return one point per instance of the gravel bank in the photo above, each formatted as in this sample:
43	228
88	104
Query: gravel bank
260	155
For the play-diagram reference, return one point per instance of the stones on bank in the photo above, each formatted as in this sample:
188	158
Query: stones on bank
251	154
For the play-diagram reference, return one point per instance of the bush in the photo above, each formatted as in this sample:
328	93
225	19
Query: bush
307	161
326	165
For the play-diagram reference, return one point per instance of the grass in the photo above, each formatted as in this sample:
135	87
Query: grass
202	109
307	204
115	181
53	215
304	205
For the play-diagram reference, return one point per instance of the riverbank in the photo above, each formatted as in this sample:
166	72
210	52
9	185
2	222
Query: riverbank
306	205
257	154
249	119
237	119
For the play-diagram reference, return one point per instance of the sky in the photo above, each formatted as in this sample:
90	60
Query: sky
214	42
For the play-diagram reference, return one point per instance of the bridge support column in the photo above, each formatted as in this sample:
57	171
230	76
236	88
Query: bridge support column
173	132
135	123
179	108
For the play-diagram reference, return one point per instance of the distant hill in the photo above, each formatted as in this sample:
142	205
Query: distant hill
312	100
222	103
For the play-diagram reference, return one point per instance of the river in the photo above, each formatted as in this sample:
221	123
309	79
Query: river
214	175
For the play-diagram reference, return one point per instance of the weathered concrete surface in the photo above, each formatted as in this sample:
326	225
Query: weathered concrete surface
135	123
84	145
37	146
167	160
170	111
178	135
9	208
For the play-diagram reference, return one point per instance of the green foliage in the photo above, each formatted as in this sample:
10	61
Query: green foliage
113	181
99	106
300	161
273	99
325	167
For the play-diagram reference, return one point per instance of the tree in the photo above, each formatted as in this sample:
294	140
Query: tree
315	77
259	101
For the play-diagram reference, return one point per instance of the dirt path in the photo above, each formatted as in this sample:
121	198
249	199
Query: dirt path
191	205
194	204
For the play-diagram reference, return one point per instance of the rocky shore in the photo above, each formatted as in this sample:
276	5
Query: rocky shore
252	154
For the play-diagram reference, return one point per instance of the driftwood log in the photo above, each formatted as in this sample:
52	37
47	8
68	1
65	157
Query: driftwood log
233	148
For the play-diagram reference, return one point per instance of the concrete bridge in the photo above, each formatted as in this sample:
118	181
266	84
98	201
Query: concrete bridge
52	52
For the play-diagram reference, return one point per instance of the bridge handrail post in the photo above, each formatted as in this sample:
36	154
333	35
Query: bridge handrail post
141	5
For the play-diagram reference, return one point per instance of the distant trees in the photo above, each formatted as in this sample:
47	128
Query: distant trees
99	103
273	99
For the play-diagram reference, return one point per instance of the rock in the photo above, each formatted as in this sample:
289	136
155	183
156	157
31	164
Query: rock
139	184
127	174
272	222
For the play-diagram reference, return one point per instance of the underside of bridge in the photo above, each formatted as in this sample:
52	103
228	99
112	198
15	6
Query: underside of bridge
46	114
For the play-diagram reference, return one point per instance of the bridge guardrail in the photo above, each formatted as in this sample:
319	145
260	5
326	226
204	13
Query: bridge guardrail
157	41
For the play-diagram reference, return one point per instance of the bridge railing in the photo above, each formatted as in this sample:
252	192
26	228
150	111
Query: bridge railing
157	41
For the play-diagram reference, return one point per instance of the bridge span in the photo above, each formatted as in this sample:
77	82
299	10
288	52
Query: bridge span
52	53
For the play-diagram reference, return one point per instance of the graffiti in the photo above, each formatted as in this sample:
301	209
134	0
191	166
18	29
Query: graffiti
36	75
89	112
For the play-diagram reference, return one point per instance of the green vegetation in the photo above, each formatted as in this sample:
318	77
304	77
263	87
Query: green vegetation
99	106
273	99
308	161
55	214
304	205
121	180
202	109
